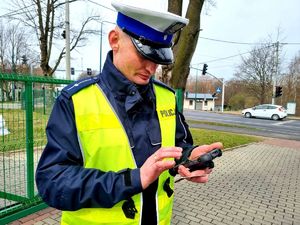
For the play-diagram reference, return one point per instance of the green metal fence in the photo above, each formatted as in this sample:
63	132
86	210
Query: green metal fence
25	104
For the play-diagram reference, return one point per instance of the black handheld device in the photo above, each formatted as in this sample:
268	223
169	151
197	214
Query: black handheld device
202	162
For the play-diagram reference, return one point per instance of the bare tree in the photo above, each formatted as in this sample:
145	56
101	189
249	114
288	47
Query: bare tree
203	85
15	47
2	46
45	18
237	95
292	79
291	84
258	69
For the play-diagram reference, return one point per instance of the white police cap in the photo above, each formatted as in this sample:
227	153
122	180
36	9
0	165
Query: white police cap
151	31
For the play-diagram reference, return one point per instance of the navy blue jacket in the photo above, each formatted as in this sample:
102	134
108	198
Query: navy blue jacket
62	181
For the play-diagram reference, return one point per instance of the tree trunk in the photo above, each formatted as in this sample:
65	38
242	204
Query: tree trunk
185	43
174	6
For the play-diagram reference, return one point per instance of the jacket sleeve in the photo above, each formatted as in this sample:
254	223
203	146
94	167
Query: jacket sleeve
184	137
61	178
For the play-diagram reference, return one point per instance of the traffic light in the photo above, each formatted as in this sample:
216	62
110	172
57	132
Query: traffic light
72	71
89	71
204	69
63	34
278	91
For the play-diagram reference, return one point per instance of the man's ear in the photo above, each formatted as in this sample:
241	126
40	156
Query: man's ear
113	38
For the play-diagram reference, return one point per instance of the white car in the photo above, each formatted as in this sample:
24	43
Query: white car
274	112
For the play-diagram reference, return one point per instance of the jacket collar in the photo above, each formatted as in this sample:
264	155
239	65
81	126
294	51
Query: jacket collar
121	87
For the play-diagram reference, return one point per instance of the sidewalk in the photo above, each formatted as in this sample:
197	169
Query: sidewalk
257	184
43	217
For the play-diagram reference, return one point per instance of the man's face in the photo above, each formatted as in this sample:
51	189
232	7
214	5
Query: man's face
132	64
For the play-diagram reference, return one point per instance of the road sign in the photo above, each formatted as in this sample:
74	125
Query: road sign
218	90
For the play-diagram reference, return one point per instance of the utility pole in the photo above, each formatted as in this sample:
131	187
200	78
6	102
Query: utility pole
276	73
67	27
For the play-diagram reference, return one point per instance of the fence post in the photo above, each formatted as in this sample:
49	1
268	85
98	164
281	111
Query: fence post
29	138
44	99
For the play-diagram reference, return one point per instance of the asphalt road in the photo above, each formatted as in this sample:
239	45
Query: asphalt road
286	129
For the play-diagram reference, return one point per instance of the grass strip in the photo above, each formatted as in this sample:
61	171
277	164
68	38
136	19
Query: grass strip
219	124
229	140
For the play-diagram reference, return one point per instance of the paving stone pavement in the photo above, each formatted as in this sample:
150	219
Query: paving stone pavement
258	184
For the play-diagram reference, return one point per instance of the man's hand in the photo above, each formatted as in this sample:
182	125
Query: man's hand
156	164
198	176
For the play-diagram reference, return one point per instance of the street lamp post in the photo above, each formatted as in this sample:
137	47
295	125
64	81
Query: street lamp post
223	94
67	30
223	89
100	58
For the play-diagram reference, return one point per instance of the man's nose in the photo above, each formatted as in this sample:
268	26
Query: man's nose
151	66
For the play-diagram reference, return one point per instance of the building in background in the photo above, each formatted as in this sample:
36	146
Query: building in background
199	101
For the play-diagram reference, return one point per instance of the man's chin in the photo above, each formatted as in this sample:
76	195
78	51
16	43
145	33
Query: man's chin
142	81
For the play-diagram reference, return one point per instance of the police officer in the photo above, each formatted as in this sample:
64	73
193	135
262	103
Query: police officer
111	138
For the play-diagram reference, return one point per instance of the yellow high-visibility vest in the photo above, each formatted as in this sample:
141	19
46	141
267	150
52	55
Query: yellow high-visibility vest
105	146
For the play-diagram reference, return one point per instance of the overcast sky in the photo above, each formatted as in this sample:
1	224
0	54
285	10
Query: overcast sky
237	21
246	22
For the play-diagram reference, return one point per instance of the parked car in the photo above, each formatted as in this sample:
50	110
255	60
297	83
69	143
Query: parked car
274	112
